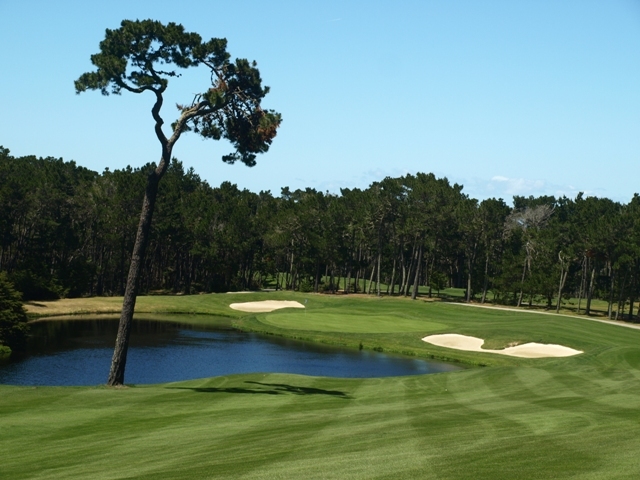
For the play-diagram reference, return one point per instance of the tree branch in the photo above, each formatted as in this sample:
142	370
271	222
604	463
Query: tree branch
155	112
187	115
124	85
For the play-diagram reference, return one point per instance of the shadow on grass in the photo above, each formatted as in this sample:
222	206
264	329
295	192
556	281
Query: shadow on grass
35	304
272	389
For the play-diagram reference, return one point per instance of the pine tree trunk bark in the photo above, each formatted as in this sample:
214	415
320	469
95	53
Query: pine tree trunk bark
428	282
405	290
291	269
347	282
373	269
403	264
582	281
563	279
317	279
620	295
357	284
119	359
331	285
524	271
611	287
486	279
393	278
414	293
590	291
378	274
632	296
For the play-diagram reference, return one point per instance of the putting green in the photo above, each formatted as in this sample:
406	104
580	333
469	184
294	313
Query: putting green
348	323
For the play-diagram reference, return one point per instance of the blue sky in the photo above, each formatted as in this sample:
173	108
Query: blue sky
505	97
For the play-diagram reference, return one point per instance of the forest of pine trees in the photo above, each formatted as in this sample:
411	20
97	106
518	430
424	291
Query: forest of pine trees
66	231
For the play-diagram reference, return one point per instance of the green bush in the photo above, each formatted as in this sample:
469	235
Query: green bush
306	286
36	287
13	318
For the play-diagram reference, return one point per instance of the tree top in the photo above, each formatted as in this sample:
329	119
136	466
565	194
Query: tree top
142	55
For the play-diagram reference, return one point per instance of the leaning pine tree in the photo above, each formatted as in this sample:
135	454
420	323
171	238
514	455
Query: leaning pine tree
139	57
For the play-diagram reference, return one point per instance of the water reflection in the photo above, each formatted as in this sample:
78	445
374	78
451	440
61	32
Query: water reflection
78	352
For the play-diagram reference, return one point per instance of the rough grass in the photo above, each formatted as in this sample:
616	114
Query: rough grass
575	417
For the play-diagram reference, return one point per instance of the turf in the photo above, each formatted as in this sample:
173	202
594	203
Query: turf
575	417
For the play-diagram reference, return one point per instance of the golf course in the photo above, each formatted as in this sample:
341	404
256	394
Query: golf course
502	417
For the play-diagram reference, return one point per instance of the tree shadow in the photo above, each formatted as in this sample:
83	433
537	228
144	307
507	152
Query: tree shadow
283	387
35	304
273	389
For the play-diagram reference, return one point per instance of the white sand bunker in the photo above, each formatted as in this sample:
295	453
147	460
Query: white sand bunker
526	350
265	306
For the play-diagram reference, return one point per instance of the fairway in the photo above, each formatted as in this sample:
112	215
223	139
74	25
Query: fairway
574	417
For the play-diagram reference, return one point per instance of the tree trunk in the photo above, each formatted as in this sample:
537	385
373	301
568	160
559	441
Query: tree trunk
291	269
317	279
414	293
611	287
486	279
632	296
582	282
357	284
119	360
620	295
378	274
524	271
590	291
331	285
373	269
405	290
403	264
393	278
563	279
428	282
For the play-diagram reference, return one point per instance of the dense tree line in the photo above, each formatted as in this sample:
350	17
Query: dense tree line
69	231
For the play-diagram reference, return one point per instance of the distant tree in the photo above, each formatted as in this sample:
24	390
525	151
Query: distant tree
493	214
529	220
470	226
13	318
138	57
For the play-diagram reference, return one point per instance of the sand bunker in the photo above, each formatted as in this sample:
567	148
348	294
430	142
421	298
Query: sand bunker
526	350
265	306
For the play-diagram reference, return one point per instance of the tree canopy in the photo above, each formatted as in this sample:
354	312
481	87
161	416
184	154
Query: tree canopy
142	55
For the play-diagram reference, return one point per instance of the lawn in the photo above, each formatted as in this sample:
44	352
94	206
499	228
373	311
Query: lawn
575	417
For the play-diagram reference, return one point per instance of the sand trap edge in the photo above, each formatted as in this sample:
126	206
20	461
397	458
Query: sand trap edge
265	306
526	350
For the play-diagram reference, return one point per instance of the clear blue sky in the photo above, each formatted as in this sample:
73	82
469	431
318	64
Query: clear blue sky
505	97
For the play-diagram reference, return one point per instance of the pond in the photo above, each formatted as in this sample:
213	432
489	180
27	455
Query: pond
78	352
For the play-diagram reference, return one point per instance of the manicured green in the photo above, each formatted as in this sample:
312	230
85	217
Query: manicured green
336	322
576	417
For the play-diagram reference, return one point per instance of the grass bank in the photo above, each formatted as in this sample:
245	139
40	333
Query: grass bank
575	417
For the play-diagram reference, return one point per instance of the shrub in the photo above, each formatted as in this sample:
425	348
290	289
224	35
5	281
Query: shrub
36	287
305	286
13	317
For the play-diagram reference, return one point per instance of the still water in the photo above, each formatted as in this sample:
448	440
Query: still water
78	352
